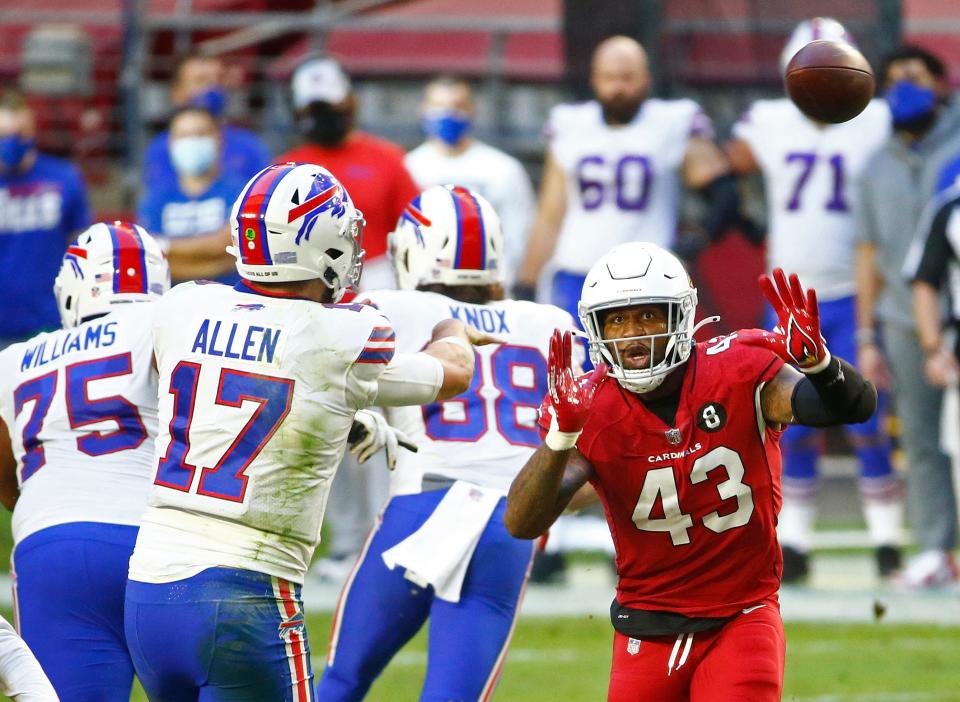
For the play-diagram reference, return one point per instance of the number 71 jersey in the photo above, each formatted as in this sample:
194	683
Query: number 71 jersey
485	435
692	507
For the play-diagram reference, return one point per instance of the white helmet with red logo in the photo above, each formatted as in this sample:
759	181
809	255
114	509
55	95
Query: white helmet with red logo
447	235
295	221
109	264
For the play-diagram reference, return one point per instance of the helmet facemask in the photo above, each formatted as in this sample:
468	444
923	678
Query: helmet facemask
342	268
666	351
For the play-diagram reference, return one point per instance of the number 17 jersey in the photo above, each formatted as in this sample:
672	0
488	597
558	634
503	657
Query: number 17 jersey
692	506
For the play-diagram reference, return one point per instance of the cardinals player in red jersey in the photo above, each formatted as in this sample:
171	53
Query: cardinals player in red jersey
680	442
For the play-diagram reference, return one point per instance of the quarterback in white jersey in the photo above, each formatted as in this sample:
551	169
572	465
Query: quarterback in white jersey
613	172
259	385
78	419
451	154
811	172
440	549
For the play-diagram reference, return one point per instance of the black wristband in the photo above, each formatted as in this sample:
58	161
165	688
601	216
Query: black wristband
836	395
525	292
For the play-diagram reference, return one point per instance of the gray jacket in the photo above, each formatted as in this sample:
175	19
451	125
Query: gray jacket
897	184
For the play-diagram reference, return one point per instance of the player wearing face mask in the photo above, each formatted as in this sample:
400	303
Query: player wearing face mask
897	184
190	211
43	204
452	154
371	168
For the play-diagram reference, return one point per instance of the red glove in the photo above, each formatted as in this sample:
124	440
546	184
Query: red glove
796	338
568	398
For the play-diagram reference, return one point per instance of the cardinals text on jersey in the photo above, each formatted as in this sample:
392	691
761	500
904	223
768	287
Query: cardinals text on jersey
693	507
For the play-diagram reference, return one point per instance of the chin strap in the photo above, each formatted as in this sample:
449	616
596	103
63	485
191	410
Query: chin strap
704	322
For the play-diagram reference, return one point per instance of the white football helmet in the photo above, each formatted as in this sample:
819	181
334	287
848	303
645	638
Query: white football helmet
109	264
447	235
811	30
640	274
295	221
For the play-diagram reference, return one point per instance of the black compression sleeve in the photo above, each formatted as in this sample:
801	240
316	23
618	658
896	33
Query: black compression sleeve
836	395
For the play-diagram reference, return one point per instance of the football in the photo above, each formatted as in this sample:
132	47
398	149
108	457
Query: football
830	81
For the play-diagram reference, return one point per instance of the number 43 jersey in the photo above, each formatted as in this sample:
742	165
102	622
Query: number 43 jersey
485	435
80	405
257	396
692	507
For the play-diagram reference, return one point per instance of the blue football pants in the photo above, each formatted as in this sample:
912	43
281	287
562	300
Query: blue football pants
380	610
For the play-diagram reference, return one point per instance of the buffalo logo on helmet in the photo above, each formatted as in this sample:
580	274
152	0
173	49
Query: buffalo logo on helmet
325	195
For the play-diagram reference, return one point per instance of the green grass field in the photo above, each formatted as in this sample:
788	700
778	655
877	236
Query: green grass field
569	659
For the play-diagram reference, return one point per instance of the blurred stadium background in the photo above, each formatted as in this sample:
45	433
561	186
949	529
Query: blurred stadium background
96	73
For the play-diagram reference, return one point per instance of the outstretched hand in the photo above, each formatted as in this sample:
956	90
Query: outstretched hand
796	338
569	397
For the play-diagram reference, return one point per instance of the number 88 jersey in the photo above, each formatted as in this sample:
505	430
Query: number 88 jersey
692	506
485	435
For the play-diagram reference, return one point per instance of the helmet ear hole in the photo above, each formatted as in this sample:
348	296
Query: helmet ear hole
334	254
406	260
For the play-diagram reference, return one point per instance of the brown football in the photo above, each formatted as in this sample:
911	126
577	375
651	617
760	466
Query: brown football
830	81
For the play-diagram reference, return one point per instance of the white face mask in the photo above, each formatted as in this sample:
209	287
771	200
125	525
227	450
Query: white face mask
193	156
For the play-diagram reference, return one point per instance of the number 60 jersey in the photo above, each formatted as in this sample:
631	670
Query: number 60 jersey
692	507
485	435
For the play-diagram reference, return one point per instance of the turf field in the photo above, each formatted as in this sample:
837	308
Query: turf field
569	659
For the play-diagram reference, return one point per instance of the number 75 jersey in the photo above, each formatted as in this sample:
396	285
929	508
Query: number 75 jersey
485	435
692	507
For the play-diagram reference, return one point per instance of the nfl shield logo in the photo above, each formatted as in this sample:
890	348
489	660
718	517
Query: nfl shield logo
673	436
633	646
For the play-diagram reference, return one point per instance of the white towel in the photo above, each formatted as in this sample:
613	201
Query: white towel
439	552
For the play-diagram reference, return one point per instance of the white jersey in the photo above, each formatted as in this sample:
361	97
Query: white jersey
496	175
623	182
485	435
81	408
810	174
257	396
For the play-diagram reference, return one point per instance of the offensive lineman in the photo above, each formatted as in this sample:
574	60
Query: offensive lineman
440	549
681	445
614	168
259	384
80	405
811	172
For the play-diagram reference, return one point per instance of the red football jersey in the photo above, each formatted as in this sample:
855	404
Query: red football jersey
692	508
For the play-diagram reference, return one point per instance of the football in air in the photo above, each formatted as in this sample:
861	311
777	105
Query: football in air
830	81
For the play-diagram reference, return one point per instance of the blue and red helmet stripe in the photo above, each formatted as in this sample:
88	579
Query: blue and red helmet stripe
471	238
251	229
129	259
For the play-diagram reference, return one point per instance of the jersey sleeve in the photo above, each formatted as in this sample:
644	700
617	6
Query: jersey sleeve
701	126
373	350
932	250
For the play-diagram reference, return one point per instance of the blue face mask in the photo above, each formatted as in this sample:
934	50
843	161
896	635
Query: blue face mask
910	104
448	126
13	149
213	101
193	156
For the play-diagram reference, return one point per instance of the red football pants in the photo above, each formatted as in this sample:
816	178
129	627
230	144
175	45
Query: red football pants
742	661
